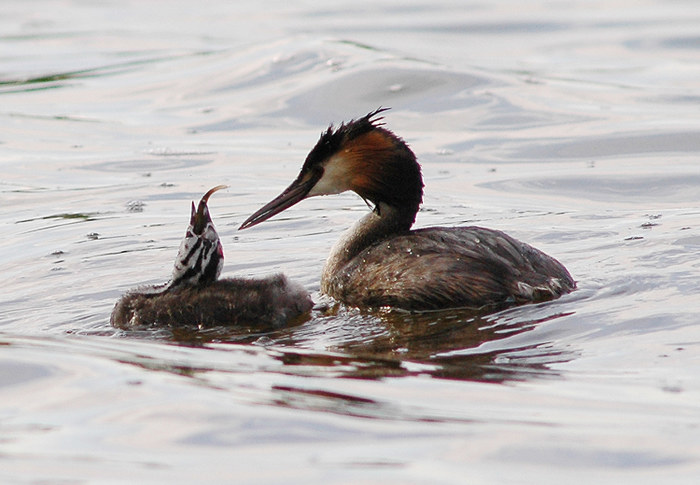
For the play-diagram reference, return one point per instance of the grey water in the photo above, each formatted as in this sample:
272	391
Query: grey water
574	126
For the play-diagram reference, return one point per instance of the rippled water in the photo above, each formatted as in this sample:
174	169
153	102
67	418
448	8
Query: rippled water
572	126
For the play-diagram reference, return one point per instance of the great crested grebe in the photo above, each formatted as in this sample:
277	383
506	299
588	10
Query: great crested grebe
380	261
195	296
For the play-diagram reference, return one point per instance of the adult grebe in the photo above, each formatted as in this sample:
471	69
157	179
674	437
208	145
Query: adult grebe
381	262
195	296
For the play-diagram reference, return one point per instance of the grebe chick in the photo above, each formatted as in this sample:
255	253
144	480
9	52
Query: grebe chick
195	296
380	261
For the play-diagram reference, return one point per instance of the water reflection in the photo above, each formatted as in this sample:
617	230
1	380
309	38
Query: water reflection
342	342
335	402
449	344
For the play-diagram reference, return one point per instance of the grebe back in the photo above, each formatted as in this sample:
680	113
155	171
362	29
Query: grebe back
380	261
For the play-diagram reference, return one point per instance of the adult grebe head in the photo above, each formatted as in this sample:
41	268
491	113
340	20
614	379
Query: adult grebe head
200	258
361	156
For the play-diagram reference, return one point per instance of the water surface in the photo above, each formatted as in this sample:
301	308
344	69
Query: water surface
572	127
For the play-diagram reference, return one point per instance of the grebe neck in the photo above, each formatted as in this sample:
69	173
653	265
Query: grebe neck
382	222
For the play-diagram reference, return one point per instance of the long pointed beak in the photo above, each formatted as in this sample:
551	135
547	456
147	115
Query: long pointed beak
296	192
201	218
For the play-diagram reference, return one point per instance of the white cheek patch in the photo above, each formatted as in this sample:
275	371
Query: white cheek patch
336	177
210	233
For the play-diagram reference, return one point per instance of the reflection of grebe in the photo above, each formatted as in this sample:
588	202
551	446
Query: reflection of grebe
194	295
381	262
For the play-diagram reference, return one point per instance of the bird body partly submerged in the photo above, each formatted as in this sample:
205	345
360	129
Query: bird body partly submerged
440	267
196	297
267	302
380	261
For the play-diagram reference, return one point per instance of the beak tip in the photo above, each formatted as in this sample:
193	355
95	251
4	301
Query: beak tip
250	222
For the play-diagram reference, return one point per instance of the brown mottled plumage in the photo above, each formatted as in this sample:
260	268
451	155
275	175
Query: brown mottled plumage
196	297
380	261
258	303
